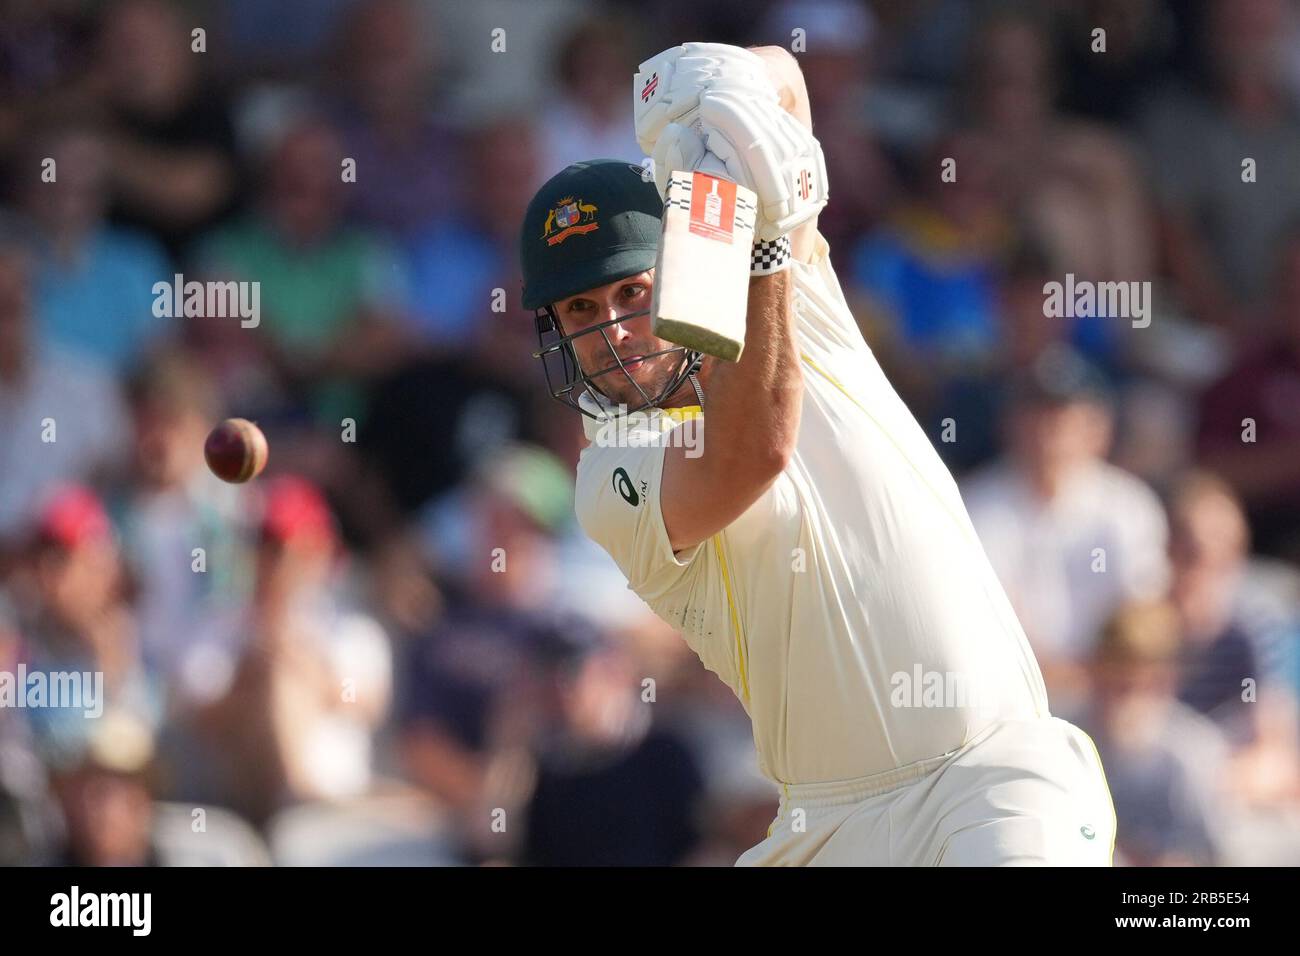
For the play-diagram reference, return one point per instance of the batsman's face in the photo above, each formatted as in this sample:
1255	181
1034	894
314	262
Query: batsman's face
625	304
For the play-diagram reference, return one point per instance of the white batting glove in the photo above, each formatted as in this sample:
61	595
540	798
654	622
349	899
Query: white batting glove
683	148
667	87
769	151
680	147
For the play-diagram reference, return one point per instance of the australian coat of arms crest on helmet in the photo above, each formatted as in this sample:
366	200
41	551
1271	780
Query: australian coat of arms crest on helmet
567	218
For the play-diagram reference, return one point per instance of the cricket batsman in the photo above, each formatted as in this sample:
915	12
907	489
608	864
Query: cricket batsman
808	542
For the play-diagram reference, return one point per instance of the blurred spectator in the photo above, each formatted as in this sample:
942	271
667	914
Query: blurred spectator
94	281
1250	428
174	506
1208	544
921	46
395	826
171	141
260	46
472	680
1219	231
932	268
739	804
1225	645
1166	765
26	821
1070	536
61	419
23	797
44	49
612	788
470	702
1157	414
493	539
287	692
73	618
471	385
103	793
330	293
105	796
459	261
588	117
406	155
837	60
236	363
929	275
1110	86
437	418
1076	184
973	398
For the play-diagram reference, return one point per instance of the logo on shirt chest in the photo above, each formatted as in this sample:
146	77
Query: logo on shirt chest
623	485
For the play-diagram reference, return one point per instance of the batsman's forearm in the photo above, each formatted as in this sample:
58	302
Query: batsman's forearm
754	404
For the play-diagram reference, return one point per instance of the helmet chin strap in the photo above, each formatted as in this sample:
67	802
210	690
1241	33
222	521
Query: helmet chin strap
699	392
695	382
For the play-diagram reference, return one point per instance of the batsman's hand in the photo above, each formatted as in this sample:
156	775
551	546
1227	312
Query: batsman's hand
667	87
771	152
762	147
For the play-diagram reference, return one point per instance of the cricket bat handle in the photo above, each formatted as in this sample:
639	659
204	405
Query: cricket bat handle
701	289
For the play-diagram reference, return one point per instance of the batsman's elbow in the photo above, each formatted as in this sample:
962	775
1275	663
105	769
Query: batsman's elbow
781	449
787	410
761	453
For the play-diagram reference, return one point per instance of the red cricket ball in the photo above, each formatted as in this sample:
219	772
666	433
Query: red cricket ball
236	450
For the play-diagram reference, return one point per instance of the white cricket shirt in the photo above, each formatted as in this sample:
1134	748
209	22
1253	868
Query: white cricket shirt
851	608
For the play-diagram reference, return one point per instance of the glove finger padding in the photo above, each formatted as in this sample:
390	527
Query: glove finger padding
679	103
667	87
769	151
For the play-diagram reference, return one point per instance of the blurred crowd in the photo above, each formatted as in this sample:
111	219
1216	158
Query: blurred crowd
396	646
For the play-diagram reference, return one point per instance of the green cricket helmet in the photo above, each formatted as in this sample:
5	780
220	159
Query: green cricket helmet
592	223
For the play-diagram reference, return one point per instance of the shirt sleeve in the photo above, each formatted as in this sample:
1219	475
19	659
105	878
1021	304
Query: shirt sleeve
619	507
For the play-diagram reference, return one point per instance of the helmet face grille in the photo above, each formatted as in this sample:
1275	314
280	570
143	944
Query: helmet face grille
566	380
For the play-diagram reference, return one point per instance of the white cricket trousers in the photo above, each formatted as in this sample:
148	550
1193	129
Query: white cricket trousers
1020	793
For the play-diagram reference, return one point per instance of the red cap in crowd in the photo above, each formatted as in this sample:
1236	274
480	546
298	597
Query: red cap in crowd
72	516
293	508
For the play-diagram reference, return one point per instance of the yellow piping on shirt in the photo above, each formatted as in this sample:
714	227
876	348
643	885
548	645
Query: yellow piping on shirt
735	619
684	413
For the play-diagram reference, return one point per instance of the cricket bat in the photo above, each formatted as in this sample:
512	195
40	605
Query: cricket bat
701	288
